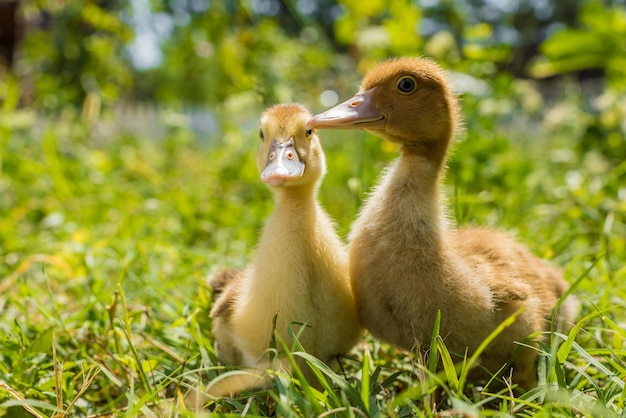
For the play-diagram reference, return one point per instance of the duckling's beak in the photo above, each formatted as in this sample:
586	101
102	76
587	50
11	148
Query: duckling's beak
359	112
283	163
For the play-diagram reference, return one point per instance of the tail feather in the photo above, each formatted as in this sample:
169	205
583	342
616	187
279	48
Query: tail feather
568	311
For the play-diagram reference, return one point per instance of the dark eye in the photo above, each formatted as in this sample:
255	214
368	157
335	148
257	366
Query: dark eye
406	85
309	132
261	134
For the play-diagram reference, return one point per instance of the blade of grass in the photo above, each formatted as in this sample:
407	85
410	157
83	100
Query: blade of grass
128	334
470	363
343	384
88	378
295	368
19	400
566	347
610	375
58	376
365	381
448	365
574	286
433	357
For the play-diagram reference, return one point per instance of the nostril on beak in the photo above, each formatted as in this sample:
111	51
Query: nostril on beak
356	103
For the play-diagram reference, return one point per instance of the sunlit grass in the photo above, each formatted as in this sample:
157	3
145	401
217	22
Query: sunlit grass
106	241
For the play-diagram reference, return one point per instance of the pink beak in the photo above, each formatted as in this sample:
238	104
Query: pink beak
357	113
283	163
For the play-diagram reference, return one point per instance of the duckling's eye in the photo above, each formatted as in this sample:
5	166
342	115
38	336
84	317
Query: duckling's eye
309	132
406	85
261	134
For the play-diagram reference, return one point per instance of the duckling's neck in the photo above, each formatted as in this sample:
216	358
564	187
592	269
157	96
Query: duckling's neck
295	216
295	198
406	208
434	151
284	251
415	181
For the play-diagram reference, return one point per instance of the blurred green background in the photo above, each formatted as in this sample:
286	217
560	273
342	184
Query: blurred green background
540	74
202	52
202	70
128	135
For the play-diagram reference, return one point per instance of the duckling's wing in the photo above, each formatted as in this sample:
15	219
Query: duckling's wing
220	280
504	292
499	262
224	284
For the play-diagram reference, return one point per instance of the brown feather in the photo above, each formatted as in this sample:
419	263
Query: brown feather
406	261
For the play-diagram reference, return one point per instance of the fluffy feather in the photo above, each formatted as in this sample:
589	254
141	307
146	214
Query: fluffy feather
300	269
407	262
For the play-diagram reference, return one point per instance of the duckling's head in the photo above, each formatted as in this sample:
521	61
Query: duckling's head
406	100
290	154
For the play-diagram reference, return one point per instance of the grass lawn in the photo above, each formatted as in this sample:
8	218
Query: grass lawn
106	241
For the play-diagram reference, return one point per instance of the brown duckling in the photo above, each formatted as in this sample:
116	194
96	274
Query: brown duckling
407	262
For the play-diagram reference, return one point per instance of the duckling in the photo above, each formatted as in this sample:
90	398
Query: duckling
407	262
299	274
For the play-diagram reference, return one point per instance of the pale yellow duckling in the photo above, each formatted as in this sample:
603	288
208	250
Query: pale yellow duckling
300	269
407	262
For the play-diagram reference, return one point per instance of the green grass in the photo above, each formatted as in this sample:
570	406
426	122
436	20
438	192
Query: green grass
106	241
